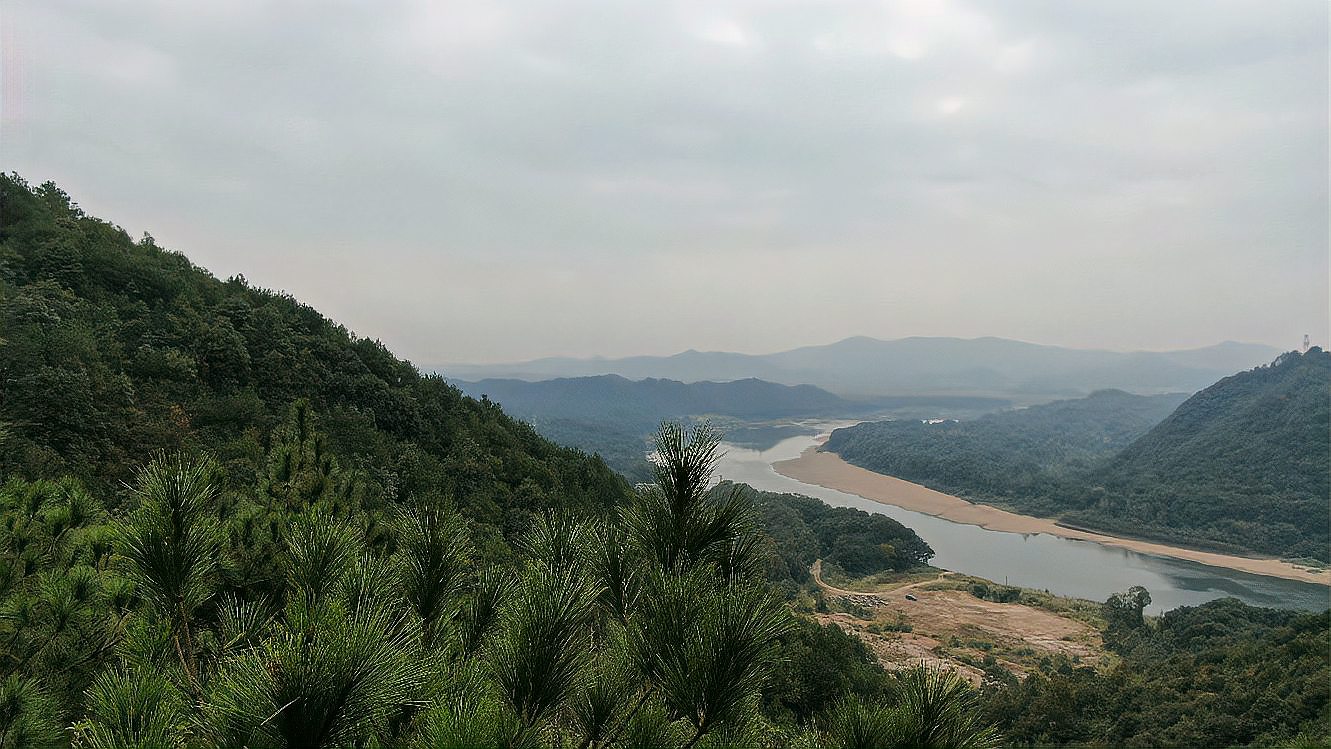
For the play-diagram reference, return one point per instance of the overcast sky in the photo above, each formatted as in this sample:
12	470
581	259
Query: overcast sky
492	181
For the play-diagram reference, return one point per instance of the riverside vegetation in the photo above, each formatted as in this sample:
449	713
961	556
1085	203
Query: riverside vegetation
226	521
615	417
1243	465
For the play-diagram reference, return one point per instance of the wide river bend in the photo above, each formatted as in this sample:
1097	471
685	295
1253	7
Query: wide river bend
1037	560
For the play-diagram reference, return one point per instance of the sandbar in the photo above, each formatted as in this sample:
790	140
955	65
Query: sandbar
828	470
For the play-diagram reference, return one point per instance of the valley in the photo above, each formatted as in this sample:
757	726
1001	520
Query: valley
828	470
1033	559
1017	477
220	508
667	375
1242	466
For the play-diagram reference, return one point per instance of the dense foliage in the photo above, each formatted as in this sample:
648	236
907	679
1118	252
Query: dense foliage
225	521
1220	674
111	350
1244	464
622	448
803	529
1020	458
307	619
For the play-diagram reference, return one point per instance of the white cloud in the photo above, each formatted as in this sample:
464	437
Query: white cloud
1015	58
950	105
726	32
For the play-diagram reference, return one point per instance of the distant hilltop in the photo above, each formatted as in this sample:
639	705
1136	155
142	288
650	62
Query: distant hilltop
646	402
865	367
1242	465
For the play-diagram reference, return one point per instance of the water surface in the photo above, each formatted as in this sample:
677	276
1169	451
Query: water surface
1038	560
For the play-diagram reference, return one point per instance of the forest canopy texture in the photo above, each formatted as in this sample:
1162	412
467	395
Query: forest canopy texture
1243	465
227	521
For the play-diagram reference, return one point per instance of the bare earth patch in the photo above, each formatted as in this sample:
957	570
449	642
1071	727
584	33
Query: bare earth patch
955	629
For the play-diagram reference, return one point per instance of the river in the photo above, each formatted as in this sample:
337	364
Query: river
1067	567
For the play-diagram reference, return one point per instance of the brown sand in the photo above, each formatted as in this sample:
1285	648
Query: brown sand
940	617
830	471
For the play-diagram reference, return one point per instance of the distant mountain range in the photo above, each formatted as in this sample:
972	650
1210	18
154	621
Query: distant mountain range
613	416
644	403
861	367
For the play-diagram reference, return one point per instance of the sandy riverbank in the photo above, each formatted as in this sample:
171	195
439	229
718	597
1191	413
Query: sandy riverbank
830	471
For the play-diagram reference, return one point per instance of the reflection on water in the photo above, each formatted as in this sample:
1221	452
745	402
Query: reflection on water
1041	561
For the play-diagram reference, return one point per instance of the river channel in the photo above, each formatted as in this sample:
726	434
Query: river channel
1067	567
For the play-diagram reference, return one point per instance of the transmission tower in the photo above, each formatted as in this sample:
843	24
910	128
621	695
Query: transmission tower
1307	344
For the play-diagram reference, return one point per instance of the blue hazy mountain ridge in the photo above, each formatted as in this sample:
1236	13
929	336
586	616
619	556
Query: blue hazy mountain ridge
1241	465
862	366
614	416
646	402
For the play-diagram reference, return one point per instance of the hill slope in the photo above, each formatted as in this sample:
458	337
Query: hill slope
614	417
870	367
1241	465
314	587
1017	458
111	350
646	402
1245	461
226	521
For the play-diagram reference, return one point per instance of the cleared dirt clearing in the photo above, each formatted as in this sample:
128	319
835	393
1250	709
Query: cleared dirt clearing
956	629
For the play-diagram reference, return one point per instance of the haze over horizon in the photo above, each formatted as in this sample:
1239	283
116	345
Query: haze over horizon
844	339
500	182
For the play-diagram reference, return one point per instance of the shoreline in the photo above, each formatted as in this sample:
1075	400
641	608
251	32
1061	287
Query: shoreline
829	471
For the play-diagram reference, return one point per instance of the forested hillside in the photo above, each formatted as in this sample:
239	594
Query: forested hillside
113	350
1242	465
1023	458
804	529
1220	674
650	401
1245	462
226	521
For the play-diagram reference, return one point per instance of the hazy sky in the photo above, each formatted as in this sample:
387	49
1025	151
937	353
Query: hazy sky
504	180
